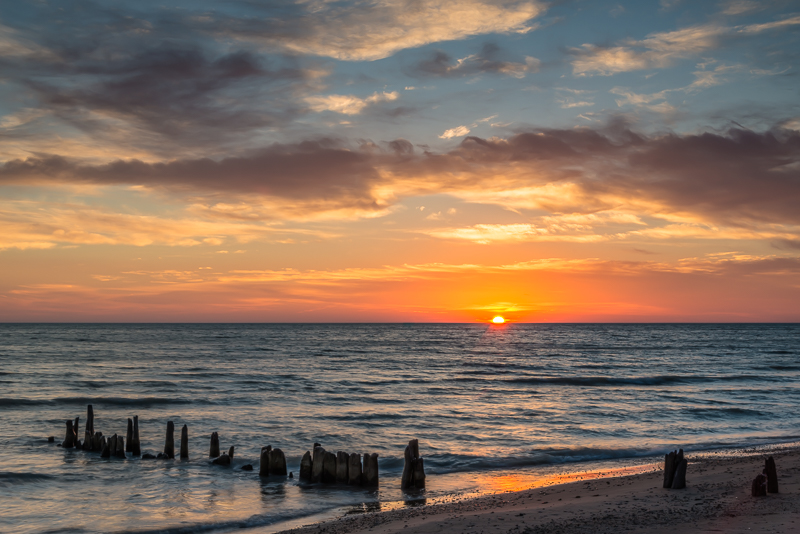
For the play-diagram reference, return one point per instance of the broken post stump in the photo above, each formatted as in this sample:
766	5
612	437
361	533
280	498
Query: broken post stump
185	443
69	437
108	445
759	486
772	475
120	449
370	476
679	480
136	448
306	467
342	467
169	442
317	464
354	470
413	468
88	433
129	436
671	463
277	463
263	468
329	468
213	452
224	458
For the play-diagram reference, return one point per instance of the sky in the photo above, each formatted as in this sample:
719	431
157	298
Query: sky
400	160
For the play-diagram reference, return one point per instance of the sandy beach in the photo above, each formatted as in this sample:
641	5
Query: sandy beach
717	499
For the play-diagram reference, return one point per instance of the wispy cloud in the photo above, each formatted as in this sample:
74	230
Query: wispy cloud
348	104
661	49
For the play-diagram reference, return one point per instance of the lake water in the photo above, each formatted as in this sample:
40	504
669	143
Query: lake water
484	401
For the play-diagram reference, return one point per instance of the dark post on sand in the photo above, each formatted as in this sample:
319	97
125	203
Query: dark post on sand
414	468
169	443
370	476
185	443
772	475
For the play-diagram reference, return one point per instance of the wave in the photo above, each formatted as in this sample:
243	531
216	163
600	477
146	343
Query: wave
8	480
657	380
113	401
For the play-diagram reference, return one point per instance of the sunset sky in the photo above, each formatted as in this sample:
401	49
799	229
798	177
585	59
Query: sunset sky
400	161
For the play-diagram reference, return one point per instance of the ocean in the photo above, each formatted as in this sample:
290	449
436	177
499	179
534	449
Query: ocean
487	403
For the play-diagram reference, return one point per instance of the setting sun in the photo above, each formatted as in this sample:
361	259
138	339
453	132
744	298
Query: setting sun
498	320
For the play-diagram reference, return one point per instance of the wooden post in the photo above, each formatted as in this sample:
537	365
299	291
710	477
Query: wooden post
136	448
214	450
772	475
69	436
371	469
185	443
230	452
759	486
88	433
342	465
670	464
679	480
129	436
97	442
169	443
263	468
306	467
329	468
277	463
107	444
413	468
317	465
354	470
120	453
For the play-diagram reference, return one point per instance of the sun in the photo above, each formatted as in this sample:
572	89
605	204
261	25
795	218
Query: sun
498	319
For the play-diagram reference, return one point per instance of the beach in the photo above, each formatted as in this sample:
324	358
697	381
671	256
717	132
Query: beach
717	499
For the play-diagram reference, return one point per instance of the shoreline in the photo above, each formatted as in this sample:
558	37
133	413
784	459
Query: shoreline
717	499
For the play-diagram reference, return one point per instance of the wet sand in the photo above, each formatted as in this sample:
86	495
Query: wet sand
717	499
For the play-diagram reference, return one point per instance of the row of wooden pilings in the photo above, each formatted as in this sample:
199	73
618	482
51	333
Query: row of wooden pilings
320	466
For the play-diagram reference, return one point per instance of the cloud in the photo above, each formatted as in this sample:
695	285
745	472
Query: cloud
659	50
458	131
375	30
737	178
348	104
488	60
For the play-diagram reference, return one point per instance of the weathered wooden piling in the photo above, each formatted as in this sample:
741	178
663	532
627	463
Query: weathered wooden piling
772	475
679	480
230	452
185	443
129	436
169	442
329	468
277	463
370	475
136	448
342	467
108	445
317	464
413	468
354	469
306	467
759	486
69	436
264	461
97	442
120	452
88	433
672	462
213	452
